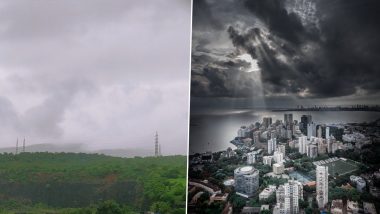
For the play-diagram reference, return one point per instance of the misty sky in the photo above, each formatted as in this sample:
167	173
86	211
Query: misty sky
282	53
104	73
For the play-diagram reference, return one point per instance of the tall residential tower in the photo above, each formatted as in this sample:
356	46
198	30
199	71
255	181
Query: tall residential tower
322	186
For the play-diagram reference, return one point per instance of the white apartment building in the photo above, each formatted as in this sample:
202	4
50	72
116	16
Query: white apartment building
267	160
272	144
267	192
322	187
251	158
287	197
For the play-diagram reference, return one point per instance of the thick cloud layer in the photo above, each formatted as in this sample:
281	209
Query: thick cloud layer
104	73
303	48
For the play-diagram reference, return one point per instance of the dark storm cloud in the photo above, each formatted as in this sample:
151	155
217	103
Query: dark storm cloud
329	50
279	21
203	17
224	78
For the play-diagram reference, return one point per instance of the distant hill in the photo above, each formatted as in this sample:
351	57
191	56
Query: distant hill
80	148
45	182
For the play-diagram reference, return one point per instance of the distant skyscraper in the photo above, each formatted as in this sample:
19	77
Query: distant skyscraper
327	132
305	119
267	121
319	132
322	185
311	129
246	180
288	119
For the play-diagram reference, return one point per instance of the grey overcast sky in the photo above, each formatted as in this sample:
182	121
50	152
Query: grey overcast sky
106	73
278	53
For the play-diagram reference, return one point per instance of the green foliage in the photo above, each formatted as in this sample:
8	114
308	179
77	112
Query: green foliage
309	210
340	193
295	155
264	169
160	207
273	181
303	204
109	207
79	180
238	202
304	164
271	200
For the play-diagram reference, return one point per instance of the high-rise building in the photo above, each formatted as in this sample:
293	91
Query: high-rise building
267	160
322	187
287	198
289	133
322	146
288	119
312	150
327	132
302	142
243	132
272	144
334	146
251	158
278	157
311	129
305	119
282	149
319	131
246	180
256	137
267	121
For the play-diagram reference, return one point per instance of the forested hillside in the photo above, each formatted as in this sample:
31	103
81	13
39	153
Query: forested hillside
86	183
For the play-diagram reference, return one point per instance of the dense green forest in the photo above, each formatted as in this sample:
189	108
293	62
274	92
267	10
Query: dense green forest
91	183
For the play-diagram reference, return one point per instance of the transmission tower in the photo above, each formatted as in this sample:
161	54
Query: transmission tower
156	146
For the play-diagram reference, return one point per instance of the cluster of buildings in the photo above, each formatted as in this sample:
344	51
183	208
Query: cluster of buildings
311	140
351	207
312	145
246	182
276	158
267	130
287	197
